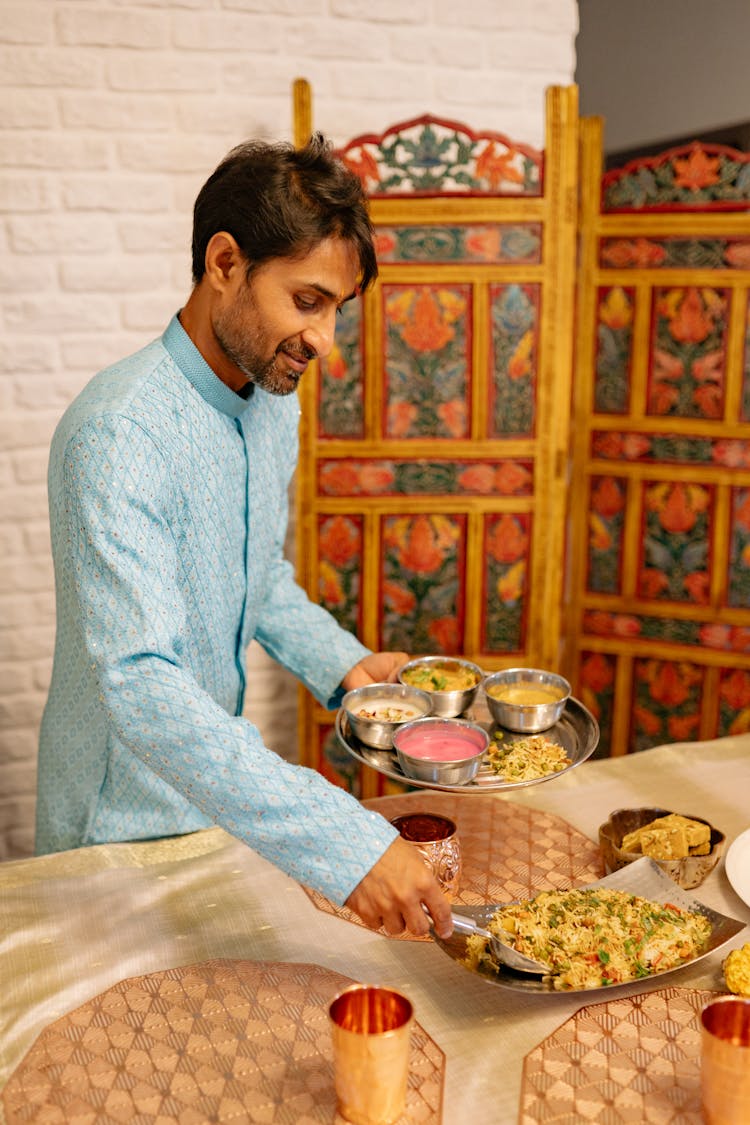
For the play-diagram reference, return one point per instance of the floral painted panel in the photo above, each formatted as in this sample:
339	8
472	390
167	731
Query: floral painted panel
507	541
606	521
734	702
428	155
340	389
674	564
339	568
692	177
725	638
739	563
666	702
427	360
596	686
687	376
675	253
630	626
422	583
746	368
517	243
514	317
614	331
676	449
365	477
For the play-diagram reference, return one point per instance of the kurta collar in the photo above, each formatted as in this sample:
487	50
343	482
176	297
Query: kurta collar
194	367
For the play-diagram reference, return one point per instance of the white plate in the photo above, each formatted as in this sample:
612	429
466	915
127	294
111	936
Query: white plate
737	864
643	877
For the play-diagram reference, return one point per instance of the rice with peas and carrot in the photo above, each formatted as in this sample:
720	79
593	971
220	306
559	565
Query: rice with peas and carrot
594	937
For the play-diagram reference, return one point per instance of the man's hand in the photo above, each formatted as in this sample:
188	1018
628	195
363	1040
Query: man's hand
376	668
396	892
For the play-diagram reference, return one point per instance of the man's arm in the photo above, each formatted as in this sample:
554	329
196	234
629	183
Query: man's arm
118	546
119	549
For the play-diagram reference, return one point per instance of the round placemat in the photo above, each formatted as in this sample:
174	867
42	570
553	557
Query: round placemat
221	1041
626	1062
507	851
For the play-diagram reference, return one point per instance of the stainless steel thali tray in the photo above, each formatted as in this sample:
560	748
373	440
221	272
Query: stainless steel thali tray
644	878
577	731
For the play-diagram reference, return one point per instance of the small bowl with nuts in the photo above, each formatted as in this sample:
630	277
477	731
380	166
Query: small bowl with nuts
375	711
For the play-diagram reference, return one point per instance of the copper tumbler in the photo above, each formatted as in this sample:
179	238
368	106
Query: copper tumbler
725	1061
371	1031
436	839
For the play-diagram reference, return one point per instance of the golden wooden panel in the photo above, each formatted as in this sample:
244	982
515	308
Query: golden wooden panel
673	633
540	454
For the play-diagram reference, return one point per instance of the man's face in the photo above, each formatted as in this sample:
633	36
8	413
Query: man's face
272	325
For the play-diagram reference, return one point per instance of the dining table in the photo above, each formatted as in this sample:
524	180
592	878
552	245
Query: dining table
189	978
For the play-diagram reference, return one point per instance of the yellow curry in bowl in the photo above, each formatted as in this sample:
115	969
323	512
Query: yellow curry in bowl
525	694
441	677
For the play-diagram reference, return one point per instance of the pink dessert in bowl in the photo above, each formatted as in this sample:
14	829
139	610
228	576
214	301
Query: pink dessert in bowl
441	751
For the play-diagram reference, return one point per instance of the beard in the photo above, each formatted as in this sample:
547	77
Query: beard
243	345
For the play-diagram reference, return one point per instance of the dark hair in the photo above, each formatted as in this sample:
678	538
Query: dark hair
278	201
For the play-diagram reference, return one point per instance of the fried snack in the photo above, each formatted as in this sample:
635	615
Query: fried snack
737	970
664	843
696	832
669	837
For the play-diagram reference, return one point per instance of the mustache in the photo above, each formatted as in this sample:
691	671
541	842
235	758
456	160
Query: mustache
302	351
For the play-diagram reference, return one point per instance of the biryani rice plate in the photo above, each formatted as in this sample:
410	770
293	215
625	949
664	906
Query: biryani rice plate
594	937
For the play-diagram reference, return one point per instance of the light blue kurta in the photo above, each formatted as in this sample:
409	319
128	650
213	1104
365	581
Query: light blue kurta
168	510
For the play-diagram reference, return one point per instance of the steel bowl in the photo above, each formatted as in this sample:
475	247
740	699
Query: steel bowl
526	718
378	732
423	672
470	740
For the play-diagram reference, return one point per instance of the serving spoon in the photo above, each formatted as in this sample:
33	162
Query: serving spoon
500	951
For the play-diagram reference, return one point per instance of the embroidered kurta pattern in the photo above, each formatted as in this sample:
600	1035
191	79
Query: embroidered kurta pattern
168	510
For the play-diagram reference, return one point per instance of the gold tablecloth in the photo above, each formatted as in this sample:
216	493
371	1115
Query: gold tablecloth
74	924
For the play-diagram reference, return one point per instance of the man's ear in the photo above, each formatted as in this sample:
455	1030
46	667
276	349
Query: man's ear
223	259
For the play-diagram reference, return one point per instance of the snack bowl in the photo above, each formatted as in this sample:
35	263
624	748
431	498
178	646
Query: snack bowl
443	751
532	699
372	711
428	672
687	871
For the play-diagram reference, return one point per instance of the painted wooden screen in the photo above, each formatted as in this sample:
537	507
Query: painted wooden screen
658	633
432	480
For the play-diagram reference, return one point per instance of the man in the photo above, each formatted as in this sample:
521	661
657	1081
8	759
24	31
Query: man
168	482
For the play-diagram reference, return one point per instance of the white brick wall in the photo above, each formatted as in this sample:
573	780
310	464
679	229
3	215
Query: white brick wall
113	114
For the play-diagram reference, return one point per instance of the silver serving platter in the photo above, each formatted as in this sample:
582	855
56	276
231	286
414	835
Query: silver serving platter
643	877
577	731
